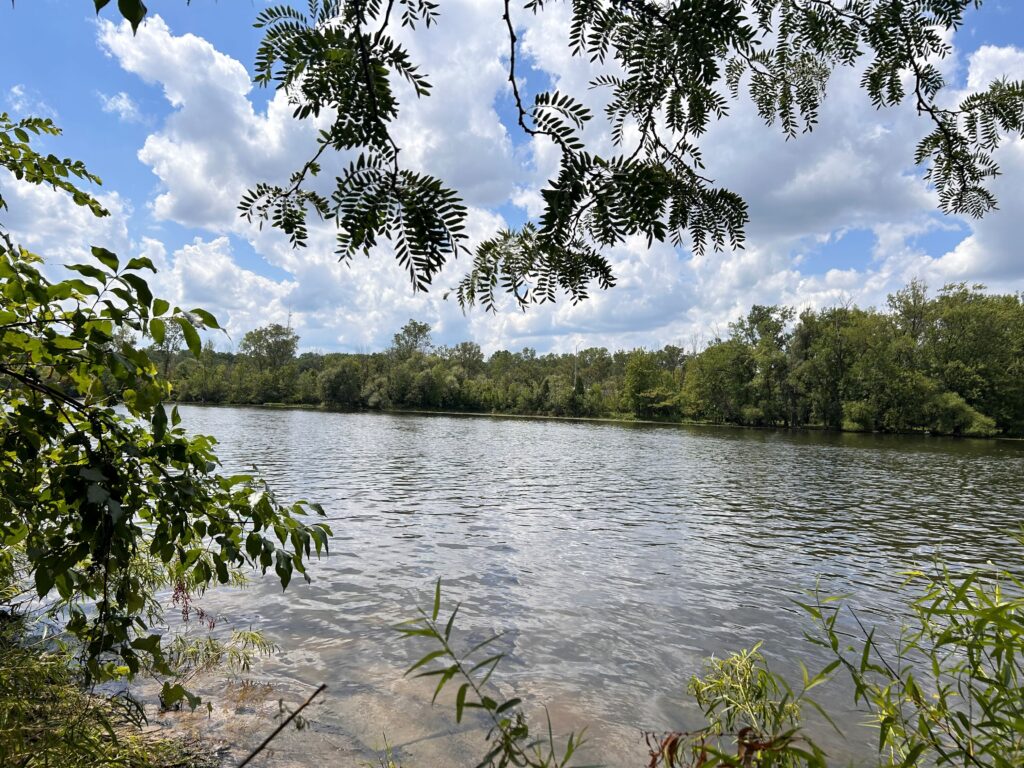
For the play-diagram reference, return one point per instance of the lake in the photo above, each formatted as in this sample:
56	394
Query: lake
613	558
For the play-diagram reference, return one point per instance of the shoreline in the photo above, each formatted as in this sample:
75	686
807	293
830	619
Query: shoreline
806	429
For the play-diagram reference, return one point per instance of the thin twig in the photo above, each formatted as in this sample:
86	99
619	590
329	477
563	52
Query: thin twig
512	39
281	727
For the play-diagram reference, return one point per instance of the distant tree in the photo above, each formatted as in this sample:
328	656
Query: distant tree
974	346
764	330
717	381
271	347
886	393
820	355
468	355
647	389
168	348
342	383
414	337
201	379
911	310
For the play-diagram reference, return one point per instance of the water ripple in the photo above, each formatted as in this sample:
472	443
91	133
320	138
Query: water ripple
613	558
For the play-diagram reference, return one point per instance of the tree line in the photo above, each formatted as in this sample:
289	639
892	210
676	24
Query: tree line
950	363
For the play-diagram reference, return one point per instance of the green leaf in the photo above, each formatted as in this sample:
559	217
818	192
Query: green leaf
159	422
160	306
460	701
149	643
90	271
140	262
106	258
425	660
63	342
133	10
208	319
44	580
157	329
195	345
141	288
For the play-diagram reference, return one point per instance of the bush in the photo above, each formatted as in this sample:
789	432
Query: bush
859	415
949	414
47	718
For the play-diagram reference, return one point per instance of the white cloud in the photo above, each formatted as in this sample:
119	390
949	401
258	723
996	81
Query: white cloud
214	144
48	222
122	105
24	101
990	63
853	172
16	98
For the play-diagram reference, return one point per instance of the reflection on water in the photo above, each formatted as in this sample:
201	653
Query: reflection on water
612	558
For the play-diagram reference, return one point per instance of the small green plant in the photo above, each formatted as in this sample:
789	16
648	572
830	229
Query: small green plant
47	717
386	760
753	718
740	691
949	689
509	739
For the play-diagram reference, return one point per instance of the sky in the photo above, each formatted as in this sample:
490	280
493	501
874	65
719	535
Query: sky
171	122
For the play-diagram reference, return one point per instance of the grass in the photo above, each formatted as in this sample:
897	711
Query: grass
47	718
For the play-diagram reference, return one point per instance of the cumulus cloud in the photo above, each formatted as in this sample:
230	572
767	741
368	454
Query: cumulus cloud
122	105
854	172
48	222
214	144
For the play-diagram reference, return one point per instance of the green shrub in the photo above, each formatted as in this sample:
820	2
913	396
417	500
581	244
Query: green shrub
949	414
47	717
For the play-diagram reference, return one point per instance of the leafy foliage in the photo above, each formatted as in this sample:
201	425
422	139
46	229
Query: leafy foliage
670	70
949	690
47	718
509	740
19	157
329	62
105	493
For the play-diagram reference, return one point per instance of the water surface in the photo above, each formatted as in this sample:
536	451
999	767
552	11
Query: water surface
613	558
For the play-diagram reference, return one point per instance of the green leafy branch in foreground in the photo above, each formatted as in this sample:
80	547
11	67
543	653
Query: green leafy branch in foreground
951	689
510	742
96	475
26	164
106	499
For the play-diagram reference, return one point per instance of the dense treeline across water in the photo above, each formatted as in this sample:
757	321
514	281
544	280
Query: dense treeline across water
952	363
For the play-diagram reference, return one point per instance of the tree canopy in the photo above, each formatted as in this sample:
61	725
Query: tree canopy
669	69
946	363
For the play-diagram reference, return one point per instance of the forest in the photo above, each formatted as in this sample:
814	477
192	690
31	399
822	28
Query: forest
951	364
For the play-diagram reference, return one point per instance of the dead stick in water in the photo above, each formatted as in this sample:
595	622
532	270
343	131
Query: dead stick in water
281	727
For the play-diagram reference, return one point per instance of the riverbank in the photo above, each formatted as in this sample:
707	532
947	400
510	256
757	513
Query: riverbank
48	718
621	419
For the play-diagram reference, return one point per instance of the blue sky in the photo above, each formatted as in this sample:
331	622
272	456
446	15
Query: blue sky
169	122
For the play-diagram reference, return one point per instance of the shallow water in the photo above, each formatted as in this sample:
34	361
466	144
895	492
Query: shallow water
613	558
